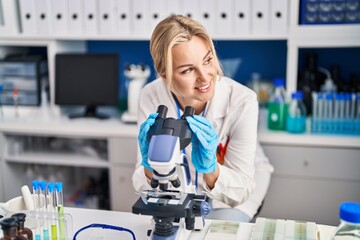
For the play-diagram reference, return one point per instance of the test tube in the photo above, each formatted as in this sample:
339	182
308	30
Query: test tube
43	208
35	185
52	207
60	210
320	111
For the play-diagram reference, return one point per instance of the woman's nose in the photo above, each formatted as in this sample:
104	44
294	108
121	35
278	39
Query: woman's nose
201	75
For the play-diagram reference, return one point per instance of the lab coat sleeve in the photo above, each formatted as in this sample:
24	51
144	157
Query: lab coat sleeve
140	181
236	179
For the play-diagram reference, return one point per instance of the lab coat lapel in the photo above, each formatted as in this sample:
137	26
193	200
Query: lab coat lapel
219	105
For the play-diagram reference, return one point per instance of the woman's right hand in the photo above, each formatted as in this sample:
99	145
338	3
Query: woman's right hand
142	139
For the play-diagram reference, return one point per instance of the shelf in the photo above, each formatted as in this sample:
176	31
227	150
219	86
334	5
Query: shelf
45	38
66	127
267	136
59	159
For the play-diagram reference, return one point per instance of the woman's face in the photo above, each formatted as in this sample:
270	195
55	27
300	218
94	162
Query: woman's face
194	73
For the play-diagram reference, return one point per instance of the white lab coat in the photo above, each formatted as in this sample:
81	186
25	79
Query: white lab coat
233	112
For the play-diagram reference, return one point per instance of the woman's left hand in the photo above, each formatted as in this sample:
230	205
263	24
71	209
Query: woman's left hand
204	144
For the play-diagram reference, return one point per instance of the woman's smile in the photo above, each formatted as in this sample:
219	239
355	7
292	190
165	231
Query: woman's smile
204	88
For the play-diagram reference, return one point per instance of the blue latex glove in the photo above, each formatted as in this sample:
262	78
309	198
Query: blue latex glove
142	139
204	144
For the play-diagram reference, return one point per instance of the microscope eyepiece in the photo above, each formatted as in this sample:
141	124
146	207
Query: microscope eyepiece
162	110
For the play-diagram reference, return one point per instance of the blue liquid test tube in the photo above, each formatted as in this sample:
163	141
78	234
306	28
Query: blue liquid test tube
43	208
35	185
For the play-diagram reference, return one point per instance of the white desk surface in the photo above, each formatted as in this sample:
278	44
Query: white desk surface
140	224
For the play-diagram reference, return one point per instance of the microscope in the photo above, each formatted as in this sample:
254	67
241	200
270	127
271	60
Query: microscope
173	202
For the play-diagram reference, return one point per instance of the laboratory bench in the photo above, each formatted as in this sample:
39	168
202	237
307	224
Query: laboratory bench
313	173
139	224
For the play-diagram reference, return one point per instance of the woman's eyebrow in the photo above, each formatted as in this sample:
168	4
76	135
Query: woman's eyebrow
207	54
190	65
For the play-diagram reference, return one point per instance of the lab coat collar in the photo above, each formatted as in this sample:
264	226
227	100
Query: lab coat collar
219	104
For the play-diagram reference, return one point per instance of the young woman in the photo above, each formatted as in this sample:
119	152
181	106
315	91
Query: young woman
225	126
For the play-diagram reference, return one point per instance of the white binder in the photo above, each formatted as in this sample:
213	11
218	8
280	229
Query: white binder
106	14
172	7
242	17
122	17
207	15
59	17
140	18
91	17
279	16
43	17
157	12
9	23
75	17
224	18
190	8
260	16
27	17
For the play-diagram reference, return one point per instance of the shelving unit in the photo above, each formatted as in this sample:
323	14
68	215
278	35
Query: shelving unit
121	139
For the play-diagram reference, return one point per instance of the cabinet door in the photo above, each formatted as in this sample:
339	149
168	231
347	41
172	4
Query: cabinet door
122	192
123	150
310	183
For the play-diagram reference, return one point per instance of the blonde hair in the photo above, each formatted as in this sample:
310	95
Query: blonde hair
173	30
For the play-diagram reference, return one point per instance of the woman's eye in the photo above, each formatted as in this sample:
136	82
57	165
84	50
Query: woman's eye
186	71
208	60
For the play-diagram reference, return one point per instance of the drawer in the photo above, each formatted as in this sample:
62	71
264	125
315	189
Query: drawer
333	163
123	150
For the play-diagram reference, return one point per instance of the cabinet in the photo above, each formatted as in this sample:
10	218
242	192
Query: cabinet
117	155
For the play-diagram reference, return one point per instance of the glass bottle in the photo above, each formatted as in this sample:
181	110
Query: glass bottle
9	227
310	79
277	106
349	228
296	115
22	230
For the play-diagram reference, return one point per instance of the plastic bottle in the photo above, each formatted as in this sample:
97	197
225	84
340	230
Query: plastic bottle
296	115
9	227
277	106
349	228
22	230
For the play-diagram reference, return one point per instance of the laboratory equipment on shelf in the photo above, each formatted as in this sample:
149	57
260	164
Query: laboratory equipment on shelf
173	202
137	75
296	115
277	106
349	228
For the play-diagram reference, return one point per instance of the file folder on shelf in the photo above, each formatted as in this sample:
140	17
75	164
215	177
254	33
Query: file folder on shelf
190	8
43	17
278	16
59	16
27	17
122	17
9	22
91	17
140	18
207	15
106	17
242	17
157	12
224	18
260	17
75	17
